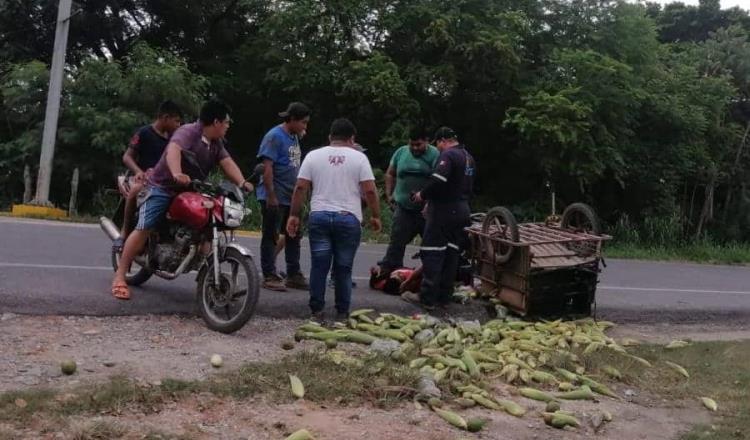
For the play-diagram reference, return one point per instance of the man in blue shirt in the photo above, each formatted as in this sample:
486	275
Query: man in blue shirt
281	156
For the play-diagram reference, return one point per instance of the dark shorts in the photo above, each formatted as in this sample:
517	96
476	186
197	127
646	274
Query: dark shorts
153	206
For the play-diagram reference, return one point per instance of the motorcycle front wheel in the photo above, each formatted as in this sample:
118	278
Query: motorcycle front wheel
226	307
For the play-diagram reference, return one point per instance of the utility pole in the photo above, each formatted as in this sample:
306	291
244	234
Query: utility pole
53	104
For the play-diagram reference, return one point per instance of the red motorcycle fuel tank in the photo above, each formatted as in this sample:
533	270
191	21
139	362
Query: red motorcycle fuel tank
188	208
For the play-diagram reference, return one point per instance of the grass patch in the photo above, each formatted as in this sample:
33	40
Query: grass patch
719	370
379	381
712	253
98	430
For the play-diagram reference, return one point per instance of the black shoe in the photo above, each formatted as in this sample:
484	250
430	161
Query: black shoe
342	316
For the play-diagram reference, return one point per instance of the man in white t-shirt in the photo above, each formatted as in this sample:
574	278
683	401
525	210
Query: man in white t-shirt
339	175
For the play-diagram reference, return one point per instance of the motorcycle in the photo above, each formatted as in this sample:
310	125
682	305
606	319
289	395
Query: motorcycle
228	284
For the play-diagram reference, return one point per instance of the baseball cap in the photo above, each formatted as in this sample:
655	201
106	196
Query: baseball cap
443	133
295	110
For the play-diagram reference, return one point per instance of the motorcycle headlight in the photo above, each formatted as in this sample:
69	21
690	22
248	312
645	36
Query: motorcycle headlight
233	213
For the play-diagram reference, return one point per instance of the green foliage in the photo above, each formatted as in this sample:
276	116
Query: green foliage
641	111
104	102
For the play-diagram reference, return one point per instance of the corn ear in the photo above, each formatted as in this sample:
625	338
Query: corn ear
560	420
512	407
470	363
583	393
358	312
612	371
567	375
677	344
485	402
298	390
709	403
302	434
678	368
640	360
451	417
535	394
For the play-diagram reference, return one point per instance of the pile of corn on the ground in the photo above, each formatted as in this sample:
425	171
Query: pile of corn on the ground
463	357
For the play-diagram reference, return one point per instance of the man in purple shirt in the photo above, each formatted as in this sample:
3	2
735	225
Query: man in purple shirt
203	141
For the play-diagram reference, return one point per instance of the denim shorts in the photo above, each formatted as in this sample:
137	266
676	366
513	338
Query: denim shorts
154	203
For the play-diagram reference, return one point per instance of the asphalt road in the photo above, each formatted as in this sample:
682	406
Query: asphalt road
63	268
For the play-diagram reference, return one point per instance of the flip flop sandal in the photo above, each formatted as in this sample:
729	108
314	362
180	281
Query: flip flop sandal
121	291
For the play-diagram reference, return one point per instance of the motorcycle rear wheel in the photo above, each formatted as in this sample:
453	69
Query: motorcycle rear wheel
136	276
227	308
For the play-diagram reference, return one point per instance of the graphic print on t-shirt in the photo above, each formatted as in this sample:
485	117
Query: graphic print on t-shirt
336	160
295	153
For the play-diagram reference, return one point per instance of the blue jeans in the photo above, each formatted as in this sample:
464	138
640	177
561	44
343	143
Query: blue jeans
333	236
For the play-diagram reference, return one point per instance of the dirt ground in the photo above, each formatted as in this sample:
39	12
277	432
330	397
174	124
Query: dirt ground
151	348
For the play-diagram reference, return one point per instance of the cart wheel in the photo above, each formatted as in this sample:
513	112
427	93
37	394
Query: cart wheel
580	217
500	223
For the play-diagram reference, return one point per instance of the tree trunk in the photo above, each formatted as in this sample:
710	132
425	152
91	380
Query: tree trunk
692	204
27	184
73	194
707	213
732	173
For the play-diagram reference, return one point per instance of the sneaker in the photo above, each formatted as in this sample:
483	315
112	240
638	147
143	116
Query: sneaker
274	282
319	317
342	316
297	281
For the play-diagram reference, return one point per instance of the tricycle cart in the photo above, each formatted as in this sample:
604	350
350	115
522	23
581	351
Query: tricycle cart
548	268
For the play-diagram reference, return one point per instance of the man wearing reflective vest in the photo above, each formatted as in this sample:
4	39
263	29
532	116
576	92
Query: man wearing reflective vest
447	214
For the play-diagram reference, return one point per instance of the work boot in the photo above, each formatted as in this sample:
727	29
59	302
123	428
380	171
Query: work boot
297	281
274	282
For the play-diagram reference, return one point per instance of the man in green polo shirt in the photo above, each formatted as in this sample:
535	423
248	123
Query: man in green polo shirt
408	172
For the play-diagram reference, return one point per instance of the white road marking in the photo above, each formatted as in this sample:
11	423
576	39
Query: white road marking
664	289
366	278
54	266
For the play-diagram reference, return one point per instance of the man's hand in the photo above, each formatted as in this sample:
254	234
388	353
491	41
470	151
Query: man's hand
417	197
182	179
292	226
140	177
375	224
391	203
247	186
272	202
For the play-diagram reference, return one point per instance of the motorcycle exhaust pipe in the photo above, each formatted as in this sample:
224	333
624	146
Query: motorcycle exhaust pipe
109	228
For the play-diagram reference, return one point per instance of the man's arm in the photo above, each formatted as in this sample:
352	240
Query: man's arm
298	198
371	196
129	160
271	199
233	172
174	163
390	182
438	180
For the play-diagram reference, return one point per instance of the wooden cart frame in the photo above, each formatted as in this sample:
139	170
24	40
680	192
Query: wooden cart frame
548	268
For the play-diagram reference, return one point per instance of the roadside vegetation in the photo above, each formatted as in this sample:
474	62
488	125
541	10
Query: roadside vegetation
719	370
381	383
